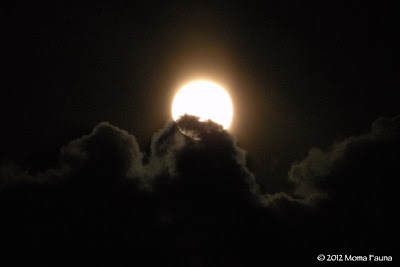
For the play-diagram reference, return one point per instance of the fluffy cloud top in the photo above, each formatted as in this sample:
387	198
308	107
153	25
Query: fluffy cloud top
369	152
194	202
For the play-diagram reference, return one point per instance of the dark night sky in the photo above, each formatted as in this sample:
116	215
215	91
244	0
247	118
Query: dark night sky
300	76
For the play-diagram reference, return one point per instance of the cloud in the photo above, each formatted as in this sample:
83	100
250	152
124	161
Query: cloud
313	174
217	162
11	173
196	202
106	151
188	192
353	187
164	145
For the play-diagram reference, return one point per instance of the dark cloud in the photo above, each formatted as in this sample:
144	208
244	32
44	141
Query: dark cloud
380	144
164	145
353	186
108	151
195	202
11	173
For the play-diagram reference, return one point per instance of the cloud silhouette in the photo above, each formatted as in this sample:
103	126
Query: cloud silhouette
311	175
108	152
353	188
195	202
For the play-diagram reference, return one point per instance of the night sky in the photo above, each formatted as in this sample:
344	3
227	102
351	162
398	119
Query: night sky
93	170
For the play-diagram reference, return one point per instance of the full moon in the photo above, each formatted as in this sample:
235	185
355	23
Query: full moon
206	100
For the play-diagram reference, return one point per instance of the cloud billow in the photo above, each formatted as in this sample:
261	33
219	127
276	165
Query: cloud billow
373	153
353	188
107	151
195	201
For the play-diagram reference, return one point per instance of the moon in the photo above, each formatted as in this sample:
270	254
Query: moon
206	100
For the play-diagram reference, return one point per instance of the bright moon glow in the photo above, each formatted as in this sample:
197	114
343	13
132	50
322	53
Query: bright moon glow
205	100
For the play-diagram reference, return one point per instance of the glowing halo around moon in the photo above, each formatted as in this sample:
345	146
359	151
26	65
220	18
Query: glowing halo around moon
206	100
